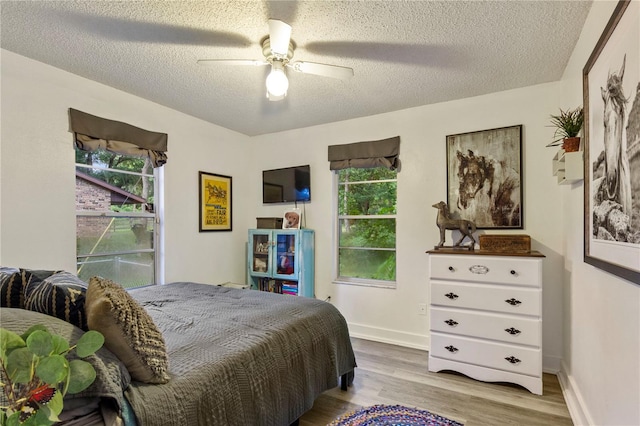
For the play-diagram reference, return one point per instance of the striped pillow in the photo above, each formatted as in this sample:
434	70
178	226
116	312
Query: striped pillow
13	282
60	295
11	290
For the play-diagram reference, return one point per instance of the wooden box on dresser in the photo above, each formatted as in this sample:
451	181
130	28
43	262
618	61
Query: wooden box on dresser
486	315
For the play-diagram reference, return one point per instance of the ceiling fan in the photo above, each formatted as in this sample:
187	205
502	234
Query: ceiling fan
278	49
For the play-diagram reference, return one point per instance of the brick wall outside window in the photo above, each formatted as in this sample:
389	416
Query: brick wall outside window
94	198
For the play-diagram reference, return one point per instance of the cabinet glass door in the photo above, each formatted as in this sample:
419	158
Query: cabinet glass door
285	255
260	249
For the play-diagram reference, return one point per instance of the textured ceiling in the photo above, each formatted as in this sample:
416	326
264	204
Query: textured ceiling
403	54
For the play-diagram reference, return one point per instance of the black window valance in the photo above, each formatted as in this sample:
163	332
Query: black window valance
92	133
363	155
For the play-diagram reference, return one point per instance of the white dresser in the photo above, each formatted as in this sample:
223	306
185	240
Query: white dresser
486	316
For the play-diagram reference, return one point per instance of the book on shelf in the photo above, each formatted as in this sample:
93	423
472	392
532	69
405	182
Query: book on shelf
278	286
290	287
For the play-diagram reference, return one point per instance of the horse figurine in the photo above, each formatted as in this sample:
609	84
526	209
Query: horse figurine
616	185
444	222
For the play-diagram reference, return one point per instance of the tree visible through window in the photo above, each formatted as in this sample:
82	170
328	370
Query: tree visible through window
115	218
366	207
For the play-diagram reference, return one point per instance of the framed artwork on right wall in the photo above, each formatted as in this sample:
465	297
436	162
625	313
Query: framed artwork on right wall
611	92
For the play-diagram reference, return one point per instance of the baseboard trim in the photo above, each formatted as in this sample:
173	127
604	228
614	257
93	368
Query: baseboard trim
575	403
393	337
551	364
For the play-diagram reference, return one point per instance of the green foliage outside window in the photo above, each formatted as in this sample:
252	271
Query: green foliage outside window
135	184
115	245
367	235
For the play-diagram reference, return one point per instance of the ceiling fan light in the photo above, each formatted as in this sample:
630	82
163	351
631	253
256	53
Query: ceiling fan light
277	81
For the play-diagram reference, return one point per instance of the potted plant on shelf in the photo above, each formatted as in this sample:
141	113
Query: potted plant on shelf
568	125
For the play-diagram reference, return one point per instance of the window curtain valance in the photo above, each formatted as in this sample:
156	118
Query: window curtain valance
363	155
92	133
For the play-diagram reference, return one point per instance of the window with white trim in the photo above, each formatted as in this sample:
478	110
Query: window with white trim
366	226
116	222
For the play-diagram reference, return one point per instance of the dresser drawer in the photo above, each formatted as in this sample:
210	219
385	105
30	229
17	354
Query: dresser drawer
506	328
500	356
514	270
511	300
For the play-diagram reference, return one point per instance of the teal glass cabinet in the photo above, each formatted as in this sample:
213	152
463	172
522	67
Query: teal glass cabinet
281	261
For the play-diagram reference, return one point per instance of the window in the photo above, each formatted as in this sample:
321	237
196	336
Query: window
116	234
366	226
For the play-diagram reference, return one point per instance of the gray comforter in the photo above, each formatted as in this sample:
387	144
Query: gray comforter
240	357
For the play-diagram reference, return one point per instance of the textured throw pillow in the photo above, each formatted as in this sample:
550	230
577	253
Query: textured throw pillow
129	331
11	290
60	295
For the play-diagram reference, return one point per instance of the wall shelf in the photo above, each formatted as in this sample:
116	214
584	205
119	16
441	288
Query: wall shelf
568	167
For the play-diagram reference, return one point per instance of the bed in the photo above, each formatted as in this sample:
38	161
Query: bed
235	357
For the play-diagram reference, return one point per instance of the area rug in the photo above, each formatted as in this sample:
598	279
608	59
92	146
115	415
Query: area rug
392	415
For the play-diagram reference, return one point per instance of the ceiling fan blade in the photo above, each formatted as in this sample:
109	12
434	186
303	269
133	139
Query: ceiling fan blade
333	71
279	37
215	62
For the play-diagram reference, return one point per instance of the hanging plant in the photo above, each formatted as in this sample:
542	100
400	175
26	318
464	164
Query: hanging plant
36	375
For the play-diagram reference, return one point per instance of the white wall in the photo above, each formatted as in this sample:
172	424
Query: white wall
601	365
38	181
392	314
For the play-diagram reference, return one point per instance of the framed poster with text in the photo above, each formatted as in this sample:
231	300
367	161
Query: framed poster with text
215	202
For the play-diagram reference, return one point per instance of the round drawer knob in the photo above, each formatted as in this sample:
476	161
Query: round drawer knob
451	268
513	272
451	349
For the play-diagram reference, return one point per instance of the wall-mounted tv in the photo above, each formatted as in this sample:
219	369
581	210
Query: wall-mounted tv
287	185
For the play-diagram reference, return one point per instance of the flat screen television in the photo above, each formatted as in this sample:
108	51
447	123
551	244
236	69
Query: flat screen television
287	185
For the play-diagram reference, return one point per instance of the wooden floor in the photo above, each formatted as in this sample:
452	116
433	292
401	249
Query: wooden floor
389	374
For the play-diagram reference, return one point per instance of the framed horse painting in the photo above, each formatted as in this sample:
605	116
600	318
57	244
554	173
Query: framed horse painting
484	177
611	91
